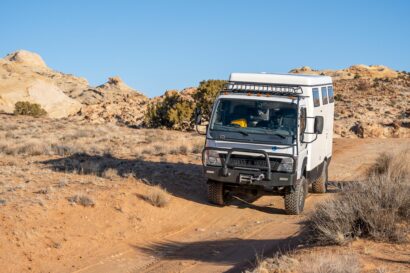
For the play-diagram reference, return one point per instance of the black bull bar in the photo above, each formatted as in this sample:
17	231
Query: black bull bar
230	151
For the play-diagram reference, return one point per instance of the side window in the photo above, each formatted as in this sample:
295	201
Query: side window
316	99
324	95
302	121
330	93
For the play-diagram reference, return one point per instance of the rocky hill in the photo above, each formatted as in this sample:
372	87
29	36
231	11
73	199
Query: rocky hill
113	101
354	71
26	77
371	101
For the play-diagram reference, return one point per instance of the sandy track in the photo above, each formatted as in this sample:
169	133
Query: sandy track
213	239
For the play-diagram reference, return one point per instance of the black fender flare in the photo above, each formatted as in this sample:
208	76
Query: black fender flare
303	169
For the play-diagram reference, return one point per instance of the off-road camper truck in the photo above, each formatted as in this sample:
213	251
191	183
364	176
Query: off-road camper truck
270	134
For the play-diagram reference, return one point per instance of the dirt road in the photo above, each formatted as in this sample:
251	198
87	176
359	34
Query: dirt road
214	239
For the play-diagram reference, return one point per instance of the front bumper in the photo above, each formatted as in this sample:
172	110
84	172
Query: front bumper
262	177
234	177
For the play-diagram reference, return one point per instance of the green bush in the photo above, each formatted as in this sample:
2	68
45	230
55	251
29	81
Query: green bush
181	115
338	97
29	109
173	111
177	112
206	94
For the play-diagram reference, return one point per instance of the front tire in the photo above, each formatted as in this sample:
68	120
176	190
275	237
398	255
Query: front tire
295	200
216	193
320	185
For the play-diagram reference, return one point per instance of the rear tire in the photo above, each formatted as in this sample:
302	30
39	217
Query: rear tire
216	193
295	200
320	185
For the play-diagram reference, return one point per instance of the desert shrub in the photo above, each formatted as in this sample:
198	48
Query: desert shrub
206	94
363	85
25	147
338	97
181	115
173	111
310	263
378	208
29	109
33	148
82	200
157	196
62	150
176	112
393	166
111	174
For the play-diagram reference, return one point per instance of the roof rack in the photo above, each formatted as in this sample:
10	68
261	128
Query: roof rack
273	89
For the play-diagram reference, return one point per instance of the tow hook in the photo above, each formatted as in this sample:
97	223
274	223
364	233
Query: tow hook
259	178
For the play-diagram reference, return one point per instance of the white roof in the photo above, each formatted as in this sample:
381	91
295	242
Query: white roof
285	79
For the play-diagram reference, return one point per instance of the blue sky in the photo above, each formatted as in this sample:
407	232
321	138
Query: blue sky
159	45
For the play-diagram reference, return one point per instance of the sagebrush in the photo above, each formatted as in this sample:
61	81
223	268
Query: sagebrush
29	109
377	208
157	196
309	263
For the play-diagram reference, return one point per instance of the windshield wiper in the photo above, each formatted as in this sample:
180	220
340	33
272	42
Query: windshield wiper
279	135
242	132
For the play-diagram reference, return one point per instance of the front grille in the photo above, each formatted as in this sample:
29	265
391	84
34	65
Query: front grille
251	162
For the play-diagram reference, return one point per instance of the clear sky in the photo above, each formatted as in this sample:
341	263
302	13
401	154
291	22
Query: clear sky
159	45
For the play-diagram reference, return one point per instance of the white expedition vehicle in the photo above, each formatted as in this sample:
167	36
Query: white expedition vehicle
270	134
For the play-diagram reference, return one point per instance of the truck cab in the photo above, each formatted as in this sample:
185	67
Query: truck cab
270	134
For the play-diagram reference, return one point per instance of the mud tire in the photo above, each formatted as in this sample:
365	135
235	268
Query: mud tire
295	200
216	193
320	185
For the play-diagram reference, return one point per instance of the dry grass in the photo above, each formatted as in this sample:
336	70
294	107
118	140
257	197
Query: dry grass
378	208
157	196
111	174
82	200
25	136
310	263
393	166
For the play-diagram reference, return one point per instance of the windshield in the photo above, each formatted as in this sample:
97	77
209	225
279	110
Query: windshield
255	120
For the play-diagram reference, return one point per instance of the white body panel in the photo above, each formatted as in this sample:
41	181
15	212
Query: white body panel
321	148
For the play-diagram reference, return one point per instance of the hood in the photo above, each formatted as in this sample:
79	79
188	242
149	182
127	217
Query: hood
269	148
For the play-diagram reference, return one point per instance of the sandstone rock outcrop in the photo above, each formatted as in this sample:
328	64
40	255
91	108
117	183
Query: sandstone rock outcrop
114	101
354	71
26	58
23	78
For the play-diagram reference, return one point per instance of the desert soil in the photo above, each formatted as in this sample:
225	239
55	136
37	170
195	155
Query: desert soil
43	232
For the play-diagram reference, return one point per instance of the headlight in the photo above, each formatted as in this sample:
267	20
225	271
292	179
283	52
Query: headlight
212	158
286	165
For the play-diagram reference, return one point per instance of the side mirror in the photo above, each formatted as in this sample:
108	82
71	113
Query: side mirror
198	116
318	127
